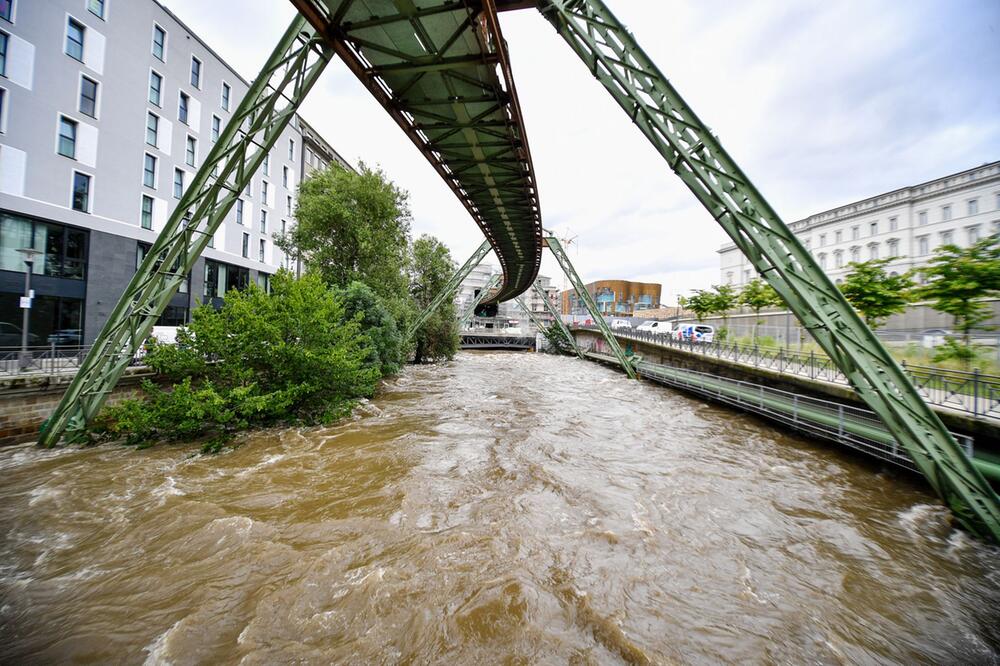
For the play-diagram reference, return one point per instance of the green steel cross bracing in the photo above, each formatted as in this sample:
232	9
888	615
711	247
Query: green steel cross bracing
449	289
265	111
698	158
486	292
557	319
581	291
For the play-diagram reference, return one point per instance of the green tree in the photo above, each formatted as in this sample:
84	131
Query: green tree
875	294
957	281
701	303
758	295
724	299
388	351
352	227
431	267
291	354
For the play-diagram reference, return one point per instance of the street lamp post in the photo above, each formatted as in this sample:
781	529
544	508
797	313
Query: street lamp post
29	254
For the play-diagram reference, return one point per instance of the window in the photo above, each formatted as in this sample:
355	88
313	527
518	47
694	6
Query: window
216	128
923	248
263	221
284	176
191	151
239	211
3	53
159	42
260	250
264	281
178	183
6	9
838	259
74	39
248	190
67	137
873	251
838	236
170	315
3	100
822	240
822	261
947	237
64	248
220	278
155	88
226	91
746	276
893	248
246	244
893	224
855	232
267	164
182	108
81	192
88	97
973	234
291	149
873	227
288	208
922	218
96	7
855	254
807	243
973	206
945	213
149	171
146	216
152	129
263	191
195	72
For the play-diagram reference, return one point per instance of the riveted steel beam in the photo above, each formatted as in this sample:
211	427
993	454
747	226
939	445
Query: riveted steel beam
265	111
694	153
557	318
487	291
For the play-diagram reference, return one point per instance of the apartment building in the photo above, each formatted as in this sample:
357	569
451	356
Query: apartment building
621	298
904	225
477	280
107	108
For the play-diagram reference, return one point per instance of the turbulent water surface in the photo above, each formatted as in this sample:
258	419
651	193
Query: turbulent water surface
502	508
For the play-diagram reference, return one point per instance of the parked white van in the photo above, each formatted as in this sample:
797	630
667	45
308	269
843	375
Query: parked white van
658	327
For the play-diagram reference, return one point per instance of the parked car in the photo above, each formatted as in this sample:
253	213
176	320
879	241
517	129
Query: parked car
10	336
620	323
66	337
696	333
934	337
657	327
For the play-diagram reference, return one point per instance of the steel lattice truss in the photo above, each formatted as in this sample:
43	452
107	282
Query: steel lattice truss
440	68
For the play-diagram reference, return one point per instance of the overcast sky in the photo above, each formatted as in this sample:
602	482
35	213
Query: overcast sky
821	103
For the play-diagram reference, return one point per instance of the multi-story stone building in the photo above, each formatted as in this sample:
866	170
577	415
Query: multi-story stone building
905	225
107	108
621	298
480	276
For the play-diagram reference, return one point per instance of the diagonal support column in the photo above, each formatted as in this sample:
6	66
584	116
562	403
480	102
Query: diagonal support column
449	289
480	297
557	319
287	76
581	291
694	153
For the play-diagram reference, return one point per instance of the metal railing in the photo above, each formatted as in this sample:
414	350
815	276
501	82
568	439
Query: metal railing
971	392
49	360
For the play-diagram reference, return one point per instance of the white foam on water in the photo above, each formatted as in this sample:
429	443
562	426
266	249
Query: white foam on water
158	648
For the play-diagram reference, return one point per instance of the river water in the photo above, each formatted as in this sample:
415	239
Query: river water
502	508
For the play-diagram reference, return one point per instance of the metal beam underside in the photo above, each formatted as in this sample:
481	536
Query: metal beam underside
269	105
440	68
691	150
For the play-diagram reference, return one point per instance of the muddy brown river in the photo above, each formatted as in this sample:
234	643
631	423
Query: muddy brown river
502	508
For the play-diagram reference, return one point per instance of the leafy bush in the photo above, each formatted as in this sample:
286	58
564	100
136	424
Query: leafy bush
290	355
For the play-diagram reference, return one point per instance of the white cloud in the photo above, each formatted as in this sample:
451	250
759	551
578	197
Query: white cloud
820	103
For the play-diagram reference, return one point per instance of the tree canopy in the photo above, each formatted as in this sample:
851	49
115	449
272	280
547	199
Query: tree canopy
431	267
875	294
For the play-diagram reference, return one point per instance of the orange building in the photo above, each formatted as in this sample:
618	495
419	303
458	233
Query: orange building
620	298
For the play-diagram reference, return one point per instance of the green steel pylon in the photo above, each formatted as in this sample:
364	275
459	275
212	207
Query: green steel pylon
698	158
449	289
270	103
581	291
557	319
487	290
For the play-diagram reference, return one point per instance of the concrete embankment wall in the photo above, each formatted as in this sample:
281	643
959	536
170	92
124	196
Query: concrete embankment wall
983	432
27	400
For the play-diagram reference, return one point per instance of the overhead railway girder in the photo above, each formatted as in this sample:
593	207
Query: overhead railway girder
440	68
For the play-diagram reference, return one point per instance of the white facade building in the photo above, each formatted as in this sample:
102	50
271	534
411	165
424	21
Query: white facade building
905	225
480	276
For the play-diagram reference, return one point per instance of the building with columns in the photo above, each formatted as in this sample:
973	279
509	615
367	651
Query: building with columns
904	225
